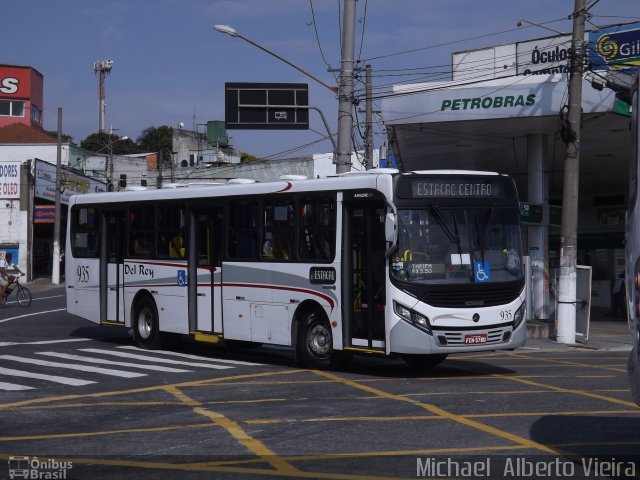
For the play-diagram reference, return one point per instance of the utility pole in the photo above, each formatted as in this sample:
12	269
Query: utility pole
566	323
368	120
345	90
55	266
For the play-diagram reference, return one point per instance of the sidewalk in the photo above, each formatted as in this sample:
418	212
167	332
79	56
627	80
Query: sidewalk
605	333
40	283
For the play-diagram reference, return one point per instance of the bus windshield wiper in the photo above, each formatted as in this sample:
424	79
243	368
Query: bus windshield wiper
438	215
452	235
480	234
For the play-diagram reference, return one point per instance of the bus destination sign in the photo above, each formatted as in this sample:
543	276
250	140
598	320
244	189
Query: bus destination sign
453	189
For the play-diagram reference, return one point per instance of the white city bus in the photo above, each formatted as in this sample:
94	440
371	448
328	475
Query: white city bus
418	264
632	245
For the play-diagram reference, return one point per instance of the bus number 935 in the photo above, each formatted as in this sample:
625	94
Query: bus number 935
83	273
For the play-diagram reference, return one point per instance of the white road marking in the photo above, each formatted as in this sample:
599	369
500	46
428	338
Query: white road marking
13	386
33	314
82	358
47	342
154	359
83	368
49	378
192	357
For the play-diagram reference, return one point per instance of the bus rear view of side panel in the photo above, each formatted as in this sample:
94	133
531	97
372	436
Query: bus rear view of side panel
82	264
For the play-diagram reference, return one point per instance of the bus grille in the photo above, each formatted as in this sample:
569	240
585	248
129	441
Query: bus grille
456	338
472	296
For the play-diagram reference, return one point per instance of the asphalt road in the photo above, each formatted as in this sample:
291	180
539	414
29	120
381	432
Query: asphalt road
78	401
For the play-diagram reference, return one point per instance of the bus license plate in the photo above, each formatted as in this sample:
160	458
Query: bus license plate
475	339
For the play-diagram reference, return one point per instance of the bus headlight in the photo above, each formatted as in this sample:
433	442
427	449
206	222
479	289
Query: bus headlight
517	318
414	318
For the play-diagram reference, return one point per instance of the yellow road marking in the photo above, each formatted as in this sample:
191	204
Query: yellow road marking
252	444
443	413
574	364
155	388
103	432
569	390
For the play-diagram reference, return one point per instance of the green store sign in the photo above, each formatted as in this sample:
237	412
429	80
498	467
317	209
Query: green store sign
489	102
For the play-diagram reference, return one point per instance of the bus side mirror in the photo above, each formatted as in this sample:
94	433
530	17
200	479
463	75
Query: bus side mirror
390	233
390	228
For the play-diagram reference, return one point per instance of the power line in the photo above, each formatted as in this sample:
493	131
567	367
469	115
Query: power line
477	37
315	28
364	24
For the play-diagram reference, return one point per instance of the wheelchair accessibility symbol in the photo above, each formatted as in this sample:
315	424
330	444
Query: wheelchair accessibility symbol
481	272
182	278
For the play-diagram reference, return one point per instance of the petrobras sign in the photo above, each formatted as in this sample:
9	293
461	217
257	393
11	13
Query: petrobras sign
529	96
544	56
615	48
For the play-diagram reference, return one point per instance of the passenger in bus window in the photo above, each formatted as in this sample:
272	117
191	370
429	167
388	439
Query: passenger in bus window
281	246
141	247
176	246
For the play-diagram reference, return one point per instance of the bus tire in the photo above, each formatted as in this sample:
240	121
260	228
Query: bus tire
424	361
146	327
314	343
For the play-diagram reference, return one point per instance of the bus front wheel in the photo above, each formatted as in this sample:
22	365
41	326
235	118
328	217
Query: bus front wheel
424	361
314	345
146	327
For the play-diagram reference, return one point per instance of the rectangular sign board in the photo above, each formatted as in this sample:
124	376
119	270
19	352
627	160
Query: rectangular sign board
266	106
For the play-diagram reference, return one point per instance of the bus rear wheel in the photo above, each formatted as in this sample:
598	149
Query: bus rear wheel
424	361
146	327
314	343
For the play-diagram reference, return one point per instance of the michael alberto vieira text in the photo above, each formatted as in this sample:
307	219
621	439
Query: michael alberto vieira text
521	467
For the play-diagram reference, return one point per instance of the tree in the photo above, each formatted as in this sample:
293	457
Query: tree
99	142
248	158
156	139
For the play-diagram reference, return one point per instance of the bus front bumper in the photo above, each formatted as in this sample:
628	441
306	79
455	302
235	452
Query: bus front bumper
405	338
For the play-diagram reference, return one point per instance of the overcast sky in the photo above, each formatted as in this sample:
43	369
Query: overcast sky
170	66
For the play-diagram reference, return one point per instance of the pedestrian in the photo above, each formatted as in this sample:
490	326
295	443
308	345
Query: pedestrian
618	296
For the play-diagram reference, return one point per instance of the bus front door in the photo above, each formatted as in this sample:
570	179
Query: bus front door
205	294
111	268
364	273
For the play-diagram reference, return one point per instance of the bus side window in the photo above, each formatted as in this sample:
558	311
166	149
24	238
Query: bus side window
278	217
171	225
84	236
317	228
242	234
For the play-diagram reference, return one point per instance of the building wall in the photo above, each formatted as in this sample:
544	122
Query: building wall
22	84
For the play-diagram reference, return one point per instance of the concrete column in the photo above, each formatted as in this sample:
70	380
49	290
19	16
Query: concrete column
538	235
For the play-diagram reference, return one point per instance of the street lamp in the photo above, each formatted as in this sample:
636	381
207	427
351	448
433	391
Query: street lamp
234	33
344	91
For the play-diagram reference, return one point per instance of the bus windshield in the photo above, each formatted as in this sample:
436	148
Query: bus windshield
445	245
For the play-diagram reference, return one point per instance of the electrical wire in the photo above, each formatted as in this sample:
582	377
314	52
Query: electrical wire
315	28
364	24
477	37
